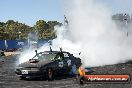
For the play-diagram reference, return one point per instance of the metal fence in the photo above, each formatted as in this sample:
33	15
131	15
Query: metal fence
16	44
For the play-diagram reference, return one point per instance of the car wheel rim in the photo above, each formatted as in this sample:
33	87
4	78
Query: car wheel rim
50	73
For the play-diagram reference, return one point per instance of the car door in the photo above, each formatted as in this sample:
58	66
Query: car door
59	64
63	62
68	62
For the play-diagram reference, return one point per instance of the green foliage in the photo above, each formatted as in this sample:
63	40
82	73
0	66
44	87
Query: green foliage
16	30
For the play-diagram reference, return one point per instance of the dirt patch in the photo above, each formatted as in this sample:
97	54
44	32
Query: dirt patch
11	53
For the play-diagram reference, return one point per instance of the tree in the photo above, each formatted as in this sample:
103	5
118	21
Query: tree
52	24
41	25
10	22
14	30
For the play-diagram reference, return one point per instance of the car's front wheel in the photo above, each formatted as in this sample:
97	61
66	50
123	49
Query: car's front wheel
50	74
81	80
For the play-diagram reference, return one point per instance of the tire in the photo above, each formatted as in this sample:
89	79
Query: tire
81	80
50	74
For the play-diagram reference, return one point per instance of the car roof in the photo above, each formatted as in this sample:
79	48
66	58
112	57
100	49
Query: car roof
53	52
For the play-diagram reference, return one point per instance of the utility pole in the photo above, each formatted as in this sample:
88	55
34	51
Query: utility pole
65	21
126	21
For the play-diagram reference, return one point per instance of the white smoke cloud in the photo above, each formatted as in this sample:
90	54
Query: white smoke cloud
102	43
91	32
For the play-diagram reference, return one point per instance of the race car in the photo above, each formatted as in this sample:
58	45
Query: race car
48	64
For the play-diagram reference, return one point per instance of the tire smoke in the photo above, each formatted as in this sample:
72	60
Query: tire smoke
102	43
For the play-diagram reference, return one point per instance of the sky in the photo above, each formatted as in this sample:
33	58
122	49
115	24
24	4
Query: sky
118	6
29	11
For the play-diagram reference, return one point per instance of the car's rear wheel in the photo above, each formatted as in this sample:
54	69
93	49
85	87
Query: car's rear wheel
81	80
50	74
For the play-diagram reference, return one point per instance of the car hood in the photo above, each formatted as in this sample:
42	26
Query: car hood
33	64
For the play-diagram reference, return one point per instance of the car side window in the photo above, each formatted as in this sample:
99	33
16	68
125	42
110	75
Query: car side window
66	55
59	56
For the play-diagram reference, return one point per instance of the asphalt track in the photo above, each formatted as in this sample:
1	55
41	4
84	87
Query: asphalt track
8	79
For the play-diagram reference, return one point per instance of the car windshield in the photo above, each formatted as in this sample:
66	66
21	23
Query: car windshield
44	56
